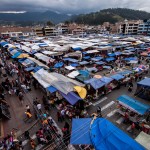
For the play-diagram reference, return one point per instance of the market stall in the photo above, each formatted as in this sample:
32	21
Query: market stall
132	109
143	89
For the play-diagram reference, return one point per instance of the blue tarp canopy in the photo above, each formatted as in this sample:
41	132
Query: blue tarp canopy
144	83
133	104
29	69
59	65
51	89
131	58
71	97
118	53
83	62
106	80
84	72
16	55
125	72
106	136
22	60
71	60
98	58
42	45
74	64
110	59
37	68
3	43
82	78
77	49
117	77
86	57
100	63
106	67
92	69
95	83
80	131
10	49
102	134
111	54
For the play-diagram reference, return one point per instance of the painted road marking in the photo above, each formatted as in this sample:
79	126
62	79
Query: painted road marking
129	128
120	120
108	105
24	142
112	113
100	101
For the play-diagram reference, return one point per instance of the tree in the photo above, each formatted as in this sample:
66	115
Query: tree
49	23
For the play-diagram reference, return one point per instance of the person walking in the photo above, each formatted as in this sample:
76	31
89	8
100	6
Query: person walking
28	108
99	111
20	95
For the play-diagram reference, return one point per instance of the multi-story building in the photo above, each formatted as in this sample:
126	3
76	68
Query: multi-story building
62	28
144	28
39	31
46	31
129	27
12	31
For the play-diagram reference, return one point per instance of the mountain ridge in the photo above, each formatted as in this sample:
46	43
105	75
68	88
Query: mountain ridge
111	15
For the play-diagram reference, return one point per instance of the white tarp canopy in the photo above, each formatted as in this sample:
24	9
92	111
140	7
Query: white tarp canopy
38	62
44	57
92	51
60	82
73	74
49	52
70	68
59	48
25	48
77	54
144	139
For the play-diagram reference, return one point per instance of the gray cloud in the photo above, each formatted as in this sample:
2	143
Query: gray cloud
76	6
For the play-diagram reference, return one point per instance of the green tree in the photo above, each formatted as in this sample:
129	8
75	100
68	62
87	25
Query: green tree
49	23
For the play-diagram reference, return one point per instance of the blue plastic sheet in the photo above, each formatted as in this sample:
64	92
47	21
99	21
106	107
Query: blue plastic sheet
59	65
110	59
106	80
71	97
100	62
80	131
106	136
117	77
102	134
134	104
16	55
51	89
95	83
145	83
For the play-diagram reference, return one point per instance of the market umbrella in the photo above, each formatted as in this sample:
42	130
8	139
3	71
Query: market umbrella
81	91
97	76
23	55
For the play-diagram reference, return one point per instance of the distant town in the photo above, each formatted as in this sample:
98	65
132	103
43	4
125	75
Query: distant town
127	27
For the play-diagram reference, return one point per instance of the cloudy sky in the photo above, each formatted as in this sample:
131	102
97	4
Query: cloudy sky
71	6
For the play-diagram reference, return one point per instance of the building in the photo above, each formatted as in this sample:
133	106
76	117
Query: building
14	32
144	28
129	27
46	31
62	28
39	31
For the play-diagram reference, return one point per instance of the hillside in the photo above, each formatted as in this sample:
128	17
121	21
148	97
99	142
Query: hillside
111	15
33	17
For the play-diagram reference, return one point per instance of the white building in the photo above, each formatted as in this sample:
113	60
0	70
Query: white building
144	28
129	27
